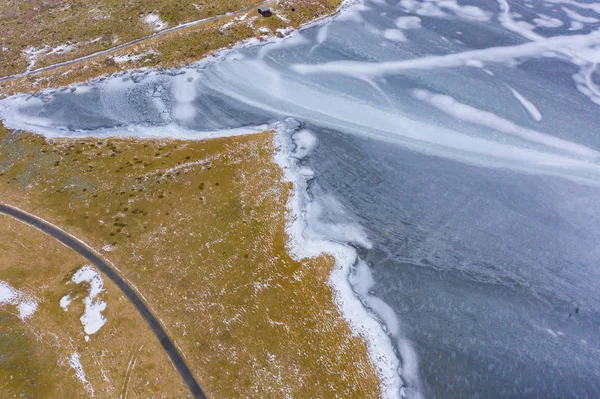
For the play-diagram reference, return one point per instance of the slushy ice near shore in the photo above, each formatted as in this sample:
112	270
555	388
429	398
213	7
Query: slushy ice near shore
460	135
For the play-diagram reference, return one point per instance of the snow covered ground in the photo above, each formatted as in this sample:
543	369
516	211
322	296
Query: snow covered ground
460	138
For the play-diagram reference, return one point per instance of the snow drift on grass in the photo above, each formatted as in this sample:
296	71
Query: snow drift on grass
25	304
154	20
75	363
92	318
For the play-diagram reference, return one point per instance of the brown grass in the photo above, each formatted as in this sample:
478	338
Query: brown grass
198	226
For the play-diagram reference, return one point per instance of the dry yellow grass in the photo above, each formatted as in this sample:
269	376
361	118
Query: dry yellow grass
36	351
198	227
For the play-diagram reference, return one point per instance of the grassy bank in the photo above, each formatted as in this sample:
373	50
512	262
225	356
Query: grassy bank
199	228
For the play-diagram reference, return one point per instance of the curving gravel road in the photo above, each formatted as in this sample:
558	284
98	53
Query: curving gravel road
105	268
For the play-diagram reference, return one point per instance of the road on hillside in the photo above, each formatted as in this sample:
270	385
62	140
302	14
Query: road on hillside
131	43
108	270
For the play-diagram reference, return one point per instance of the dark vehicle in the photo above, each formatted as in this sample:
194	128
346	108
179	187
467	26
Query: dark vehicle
265	11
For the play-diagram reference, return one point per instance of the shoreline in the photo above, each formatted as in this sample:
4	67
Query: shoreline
361	320
289	152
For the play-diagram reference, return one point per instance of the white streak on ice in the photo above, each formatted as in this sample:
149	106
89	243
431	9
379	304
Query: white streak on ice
465	112
545	21
594	6
359	69
580	18
434	9
467	12
528	105
576	25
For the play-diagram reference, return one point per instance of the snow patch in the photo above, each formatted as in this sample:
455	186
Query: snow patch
227	25
26	309
154	20
26	305
128	57
75	363
92	318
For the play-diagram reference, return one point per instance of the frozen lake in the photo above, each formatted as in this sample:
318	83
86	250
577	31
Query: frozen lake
463	137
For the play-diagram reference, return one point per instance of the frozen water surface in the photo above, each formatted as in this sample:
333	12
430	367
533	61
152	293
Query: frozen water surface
461	137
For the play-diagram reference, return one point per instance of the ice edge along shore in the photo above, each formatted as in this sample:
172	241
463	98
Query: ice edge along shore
397	380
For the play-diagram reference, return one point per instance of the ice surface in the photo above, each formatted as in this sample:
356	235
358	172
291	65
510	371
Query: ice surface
361	69
477	218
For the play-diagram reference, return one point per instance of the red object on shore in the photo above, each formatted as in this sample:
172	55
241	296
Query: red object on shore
260	38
